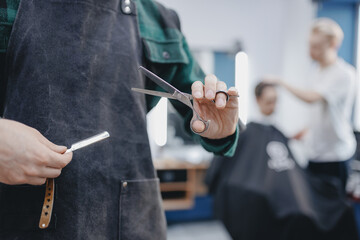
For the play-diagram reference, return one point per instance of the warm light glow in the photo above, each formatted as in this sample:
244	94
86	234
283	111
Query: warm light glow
242	84
157	123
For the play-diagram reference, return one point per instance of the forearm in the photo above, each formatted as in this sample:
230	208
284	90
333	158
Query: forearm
308	96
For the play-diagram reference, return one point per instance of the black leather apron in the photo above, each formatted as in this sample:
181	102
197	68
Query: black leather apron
71	64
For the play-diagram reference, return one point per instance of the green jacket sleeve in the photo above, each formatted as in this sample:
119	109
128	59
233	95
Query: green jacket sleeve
168	55
184	77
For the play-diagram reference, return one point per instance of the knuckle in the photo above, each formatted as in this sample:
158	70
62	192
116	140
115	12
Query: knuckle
30	171
62	163
40	181
43	159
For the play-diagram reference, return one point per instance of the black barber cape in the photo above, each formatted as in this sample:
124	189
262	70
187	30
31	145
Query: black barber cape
262	193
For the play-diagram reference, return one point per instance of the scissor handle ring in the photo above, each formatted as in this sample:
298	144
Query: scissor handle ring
227	95
207	124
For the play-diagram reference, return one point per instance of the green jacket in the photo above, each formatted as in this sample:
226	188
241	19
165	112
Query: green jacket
166	53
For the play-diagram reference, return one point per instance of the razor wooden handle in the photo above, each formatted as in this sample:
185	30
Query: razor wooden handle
47	209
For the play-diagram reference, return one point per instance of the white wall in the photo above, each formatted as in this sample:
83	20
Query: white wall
273	32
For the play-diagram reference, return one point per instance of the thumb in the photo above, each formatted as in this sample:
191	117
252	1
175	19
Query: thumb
58	149
197	126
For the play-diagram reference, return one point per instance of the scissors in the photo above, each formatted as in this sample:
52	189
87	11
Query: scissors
173	93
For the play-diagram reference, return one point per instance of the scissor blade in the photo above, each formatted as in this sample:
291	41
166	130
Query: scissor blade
159	94
154	93
159	81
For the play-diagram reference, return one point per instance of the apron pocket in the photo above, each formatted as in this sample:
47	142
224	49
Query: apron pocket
165	51
20	207
141	213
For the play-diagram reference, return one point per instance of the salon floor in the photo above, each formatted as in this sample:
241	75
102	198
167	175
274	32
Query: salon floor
209	230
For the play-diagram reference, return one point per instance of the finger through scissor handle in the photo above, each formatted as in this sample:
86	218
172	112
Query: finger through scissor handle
207	124
226	94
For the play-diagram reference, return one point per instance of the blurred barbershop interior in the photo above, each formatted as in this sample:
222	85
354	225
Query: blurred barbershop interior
283	56
233	119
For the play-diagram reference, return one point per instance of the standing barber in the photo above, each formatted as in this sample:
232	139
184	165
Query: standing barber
331	139
70	66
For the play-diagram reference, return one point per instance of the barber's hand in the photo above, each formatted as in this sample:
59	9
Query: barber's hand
27	157
223	115
300	135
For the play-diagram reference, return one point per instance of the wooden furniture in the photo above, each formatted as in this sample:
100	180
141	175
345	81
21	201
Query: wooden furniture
180	182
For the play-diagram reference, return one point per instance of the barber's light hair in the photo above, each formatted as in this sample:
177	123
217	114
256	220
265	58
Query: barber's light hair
329	28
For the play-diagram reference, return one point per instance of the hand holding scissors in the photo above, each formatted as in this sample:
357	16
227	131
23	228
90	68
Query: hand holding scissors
215	109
